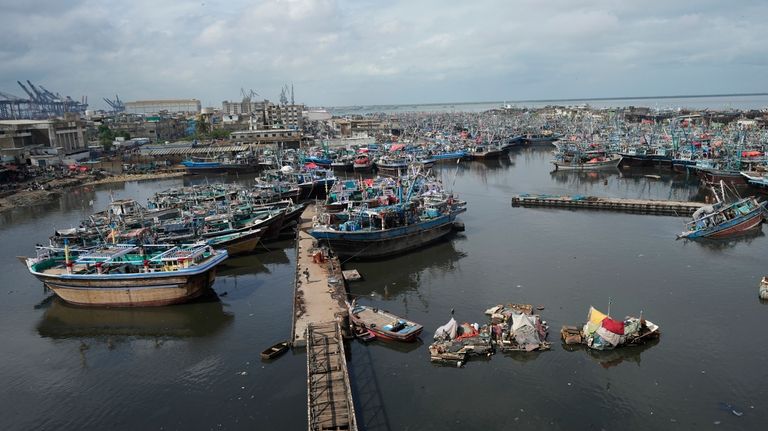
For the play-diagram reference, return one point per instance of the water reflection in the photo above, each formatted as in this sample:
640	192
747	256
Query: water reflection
273	253
578	178
74	199
719	244
201	318
439	258
396	346
612	358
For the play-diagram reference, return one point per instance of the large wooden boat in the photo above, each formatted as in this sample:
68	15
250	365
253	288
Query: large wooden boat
483	152
127	275
407	221
713	176
237	242
576	163
383	324
375	243
195	167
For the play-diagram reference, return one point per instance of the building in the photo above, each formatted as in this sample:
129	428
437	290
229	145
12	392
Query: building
156	106
283	116
264	114
360	127
246	106
19	139
156	128
286	137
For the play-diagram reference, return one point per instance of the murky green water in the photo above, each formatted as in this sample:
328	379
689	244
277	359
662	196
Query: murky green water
197	366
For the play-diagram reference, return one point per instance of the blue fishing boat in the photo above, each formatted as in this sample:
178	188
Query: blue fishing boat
722	220
451	155
366	233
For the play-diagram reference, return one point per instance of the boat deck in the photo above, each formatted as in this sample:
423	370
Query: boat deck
641	206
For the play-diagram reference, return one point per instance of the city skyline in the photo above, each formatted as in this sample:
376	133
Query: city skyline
365	53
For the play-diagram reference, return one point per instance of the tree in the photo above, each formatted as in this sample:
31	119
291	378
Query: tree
201	126
106	136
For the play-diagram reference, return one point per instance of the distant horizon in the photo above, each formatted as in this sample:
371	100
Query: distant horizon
583	99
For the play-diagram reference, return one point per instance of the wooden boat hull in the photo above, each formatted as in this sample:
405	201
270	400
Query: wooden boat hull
608	164
381	335
242	244
362	168
638	160
375	321
746	225
342	167
275	351
733	227
714	176
130	292
495	154
371	245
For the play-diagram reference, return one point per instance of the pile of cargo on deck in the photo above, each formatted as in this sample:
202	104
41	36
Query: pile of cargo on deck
454	343
516	329
601	332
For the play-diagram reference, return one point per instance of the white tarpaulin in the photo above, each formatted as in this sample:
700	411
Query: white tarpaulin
447	331
524	329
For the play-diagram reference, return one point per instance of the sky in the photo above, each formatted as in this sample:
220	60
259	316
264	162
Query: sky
367	52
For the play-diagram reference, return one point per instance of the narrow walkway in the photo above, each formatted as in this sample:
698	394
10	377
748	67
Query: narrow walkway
320	293
641	206
329	394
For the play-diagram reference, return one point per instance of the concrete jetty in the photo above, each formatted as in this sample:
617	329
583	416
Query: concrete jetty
319	319
320	292
639	206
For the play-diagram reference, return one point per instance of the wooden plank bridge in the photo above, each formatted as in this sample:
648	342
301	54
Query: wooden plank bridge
329	394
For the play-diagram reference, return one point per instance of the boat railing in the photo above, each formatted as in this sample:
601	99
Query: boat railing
106	255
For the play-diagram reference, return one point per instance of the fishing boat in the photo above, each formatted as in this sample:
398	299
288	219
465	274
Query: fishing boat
448	155
545	138
237	242
276	350
362	163
392	165
384	325
756	179
343	164
423	216
723	219
483	152
238	165
587	162
122	275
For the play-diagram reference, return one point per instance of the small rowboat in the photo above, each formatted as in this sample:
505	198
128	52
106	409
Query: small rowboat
276	350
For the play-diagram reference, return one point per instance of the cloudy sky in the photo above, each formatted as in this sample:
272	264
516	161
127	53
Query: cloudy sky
359	52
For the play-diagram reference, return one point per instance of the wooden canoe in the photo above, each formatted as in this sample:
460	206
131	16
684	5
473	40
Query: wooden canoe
276	350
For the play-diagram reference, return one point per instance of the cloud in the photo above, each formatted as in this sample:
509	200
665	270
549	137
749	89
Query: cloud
342	52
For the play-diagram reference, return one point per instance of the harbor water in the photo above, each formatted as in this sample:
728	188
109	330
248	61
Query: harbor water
196	366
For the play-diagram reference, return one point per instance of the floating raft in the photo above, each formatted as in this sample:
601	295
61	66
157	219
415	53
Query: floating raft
351	275
641	206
